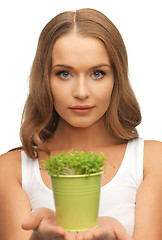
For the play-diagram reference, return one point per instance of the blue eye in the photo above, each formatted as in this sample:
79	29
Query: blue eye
98	74
63	74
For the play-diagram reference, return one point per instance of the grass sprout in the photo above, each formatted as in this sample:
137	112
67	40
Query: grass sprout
74	163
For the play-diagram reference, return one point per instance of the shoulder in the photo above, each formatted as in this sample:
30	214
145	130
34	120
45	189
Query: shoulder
153	145
152	157
153	151
10	164
10	157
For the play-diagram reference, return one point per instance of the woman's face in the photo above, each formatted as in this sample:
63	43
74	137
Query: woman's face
81	80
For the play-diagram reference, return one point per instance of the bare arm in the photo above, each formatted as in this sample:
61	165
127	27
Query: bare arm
14	204
148	222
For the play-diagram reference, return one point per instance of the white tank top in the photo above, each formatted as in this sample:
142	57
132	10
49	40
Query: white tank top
118	197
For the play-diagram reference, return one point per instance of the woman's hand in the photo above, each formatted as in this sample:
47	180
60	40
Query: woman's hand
108	229
44	224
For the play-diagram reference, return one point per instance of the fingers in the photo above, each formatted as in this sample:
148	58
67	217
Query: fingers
87	235
70	236
37	216
43	220
50	229
110	228
121	234
106	233
33	221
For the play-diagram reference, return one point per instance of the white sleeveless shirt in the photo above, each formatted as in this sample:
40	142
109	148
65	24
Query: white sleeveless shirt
118	197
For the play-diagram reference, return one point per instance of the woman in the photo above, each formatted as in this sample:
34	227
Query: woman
80	97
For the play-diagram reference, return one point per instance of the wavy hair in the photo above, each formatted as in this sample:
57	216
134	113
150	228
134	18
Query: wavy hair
40	119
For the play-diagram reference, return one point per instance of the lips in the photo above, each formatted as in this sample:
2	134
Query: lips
82	109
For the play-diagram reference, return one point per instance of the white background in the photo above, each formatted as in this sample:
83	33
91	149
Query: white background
140	24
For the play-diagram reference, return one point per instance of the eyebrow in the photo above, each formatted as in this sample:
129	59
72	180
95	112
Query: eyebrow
69	67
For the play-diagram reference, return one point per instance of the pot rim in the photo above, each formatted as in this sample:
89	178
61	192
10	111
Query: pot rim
77	176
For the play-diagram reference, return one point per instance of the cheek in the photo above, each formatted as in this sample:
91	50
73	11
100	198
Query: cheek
105	93
59	98
58	92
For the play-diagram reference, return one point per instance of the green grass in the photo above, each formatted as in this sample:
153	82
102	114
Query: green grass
74	163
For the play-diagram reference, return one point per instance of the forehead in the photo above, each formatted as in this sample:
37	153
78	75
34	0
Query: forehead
74	48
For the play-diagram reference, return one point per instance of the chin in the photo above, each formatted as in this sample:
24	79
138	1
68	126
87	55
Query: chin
81	125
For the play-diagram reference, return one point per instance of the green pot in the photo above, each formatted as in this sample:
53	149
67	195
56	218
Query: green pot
77	200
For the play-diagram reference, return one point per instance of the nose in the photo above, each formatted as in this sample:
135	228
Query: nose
81	89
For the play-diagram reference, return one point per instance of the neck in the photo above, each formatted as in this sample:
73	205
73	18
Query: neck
67	137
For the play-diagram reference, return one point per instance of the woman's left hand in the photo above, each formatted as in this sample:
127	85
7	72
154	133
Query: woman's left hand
108	229
43	222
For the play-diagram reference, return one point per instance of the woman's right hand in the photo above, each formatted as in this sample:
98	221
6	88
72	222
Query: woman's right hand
44	225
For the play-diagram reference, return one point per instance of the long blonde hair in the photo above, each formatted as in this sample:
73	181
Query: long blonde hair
39	116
